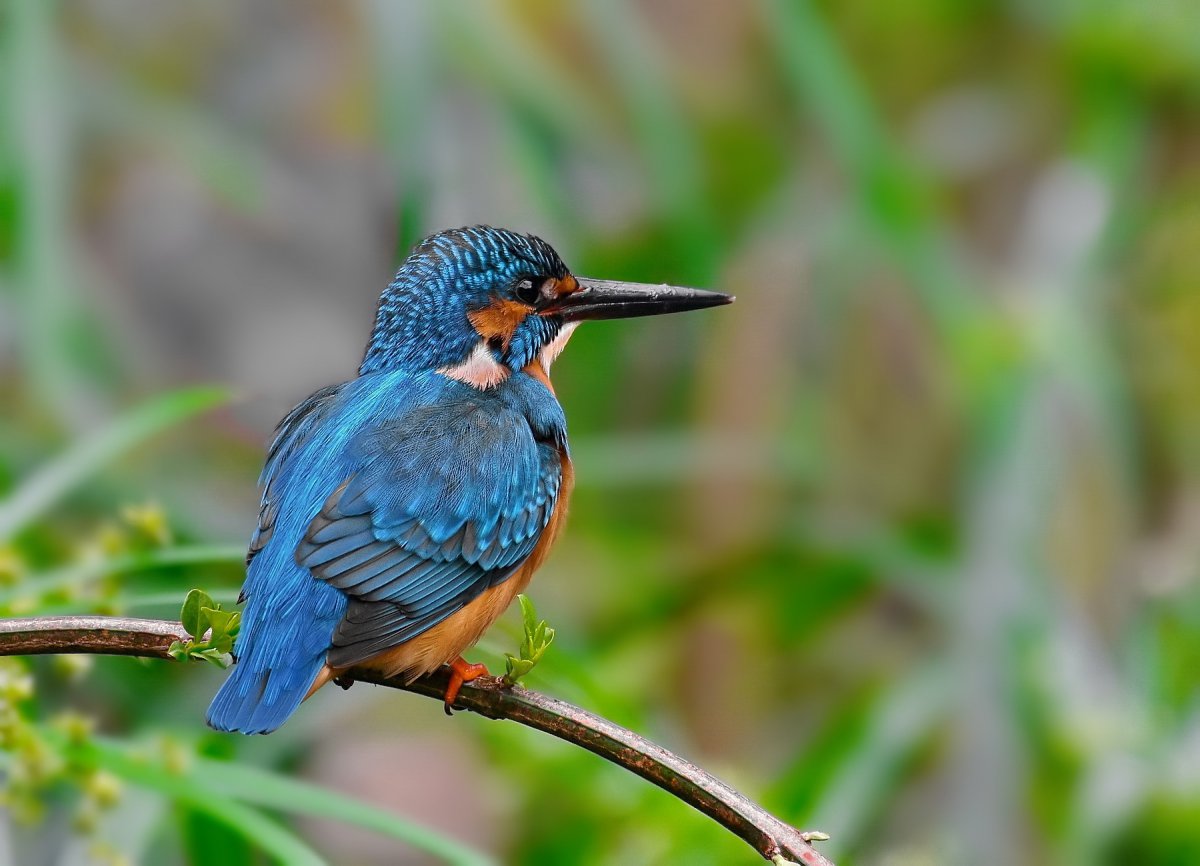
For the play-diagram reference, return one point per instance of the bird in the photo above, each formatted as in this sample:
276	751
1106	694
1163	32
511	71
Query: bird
403	510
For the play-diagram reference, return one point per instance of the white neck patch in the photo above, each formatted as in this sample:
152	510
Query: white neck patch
553	349
481	369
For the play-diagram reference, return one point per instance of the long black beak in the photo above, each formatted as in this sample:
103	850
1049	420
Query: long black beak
610	299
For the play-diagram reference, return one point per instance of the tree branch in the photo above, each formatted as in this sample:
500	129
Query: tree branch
149	638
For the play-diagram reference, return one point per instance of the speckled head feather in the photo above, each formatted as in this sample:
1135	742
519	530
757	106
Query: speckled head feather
425	315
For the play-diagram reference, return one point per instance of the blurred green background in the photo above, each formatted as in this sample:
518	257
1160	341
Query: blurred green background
904	544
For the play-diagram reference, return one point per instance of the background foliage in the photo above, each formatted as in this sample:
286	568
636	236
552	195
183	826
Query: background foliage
904	543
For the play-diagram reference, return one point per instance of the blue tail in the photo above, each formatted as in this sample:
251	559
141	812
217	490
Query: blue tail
289	616
280	649
257	700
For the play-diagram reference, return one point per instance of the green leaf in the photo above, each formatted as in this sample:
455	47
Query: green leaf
537	636
218	657
193	617
213	655
528	613
516	668
218	620
47	486
222	643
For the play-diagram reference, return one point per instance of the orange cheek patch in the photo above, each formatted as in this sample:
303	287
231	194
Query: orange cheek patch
498	320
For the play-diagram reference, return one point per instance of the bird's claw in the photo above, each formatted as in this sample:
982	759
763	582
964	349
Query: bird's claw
461	671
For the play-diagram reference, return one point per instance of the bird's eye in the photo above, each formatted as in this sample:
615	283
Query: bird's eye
528	291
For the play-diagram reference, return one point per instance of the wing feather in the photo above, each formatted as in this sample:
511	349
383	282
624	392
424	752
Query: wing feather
452	501
292	429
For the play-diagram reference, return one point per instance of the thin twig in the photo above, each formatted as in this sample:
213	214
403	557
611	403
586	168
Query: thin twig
150	638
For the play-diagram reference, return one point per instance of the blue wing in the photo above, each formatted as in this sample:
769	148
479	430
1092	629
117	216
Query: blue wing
281	647
452	499
374	530
296	427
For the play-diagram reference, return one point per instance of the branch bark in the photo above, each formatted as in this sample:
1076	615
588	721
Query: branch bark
148	638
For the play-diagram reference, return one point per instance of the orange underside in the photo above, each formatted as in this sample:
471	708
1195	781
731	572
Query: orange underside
499	320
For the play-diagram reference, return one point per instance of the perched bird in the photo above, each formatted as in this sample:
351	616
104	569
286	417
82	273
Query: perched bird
403	510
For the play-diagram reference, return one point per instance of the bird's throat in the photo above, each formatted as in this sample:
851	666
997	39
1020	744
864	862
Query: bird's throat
553	349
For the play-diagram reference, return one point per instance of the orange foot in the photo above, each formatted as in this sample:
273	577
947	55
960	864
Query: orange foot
461	671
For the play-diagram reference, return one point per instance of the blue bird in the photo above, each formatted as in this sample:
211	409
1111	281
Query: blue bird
403	510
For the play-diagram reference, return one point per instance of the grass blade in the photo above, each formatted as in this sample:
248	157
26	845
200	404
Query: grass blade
74	576
899	210
286	847
264	788
40	137
170	599
41	491
666	141
278	842
871	767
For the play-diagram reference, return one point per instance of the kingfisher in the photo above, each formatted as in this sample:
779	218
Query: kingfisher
404	510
